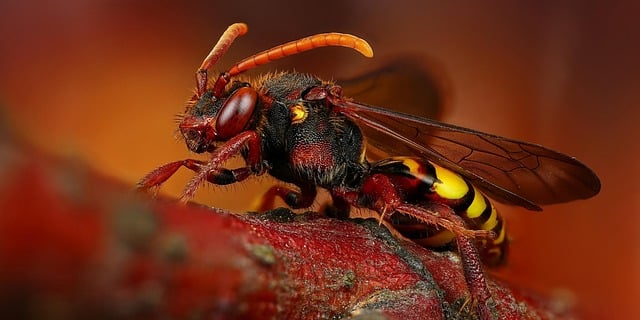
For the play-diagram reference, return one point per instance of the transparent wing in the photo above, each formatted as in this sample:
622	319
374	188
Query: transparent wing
509	171
407	84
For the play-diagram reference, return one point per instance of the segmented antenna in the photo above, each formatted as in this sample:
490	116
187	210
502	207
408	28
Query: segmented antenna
332	39
233	31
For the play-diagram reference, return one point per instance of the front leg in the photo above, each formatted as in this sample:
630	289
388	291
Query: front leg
211	170
154	179
248	139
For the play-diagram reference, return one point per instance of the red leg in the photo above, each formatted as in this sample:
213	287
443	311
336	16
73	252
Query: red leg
379	193
474	275
294	199
157	177
471	261
443	216
339	209
248	139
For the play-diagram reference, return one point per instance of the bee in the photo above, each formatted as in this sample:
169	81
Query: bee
434	189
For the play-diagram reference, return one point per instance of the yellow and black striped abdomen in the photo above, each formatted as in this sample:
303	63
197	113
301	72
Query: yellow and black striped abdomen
420	181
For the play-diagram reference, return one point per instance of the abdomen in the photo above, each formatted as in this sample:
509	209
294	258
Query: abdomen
420	181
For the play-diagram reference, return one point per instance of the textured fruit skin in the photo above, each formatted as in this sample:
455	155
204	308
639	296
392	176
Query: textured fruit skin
74	244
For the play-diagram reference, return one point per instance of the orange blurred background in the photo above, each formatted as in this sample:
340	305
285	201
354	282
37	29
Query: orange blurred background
103	79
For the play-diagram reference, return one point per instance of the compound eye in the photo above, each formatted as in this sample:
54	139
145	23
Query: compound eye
236	112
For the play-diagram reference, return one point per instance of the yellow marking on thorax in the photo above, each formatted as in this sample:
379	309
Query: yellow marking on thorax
450	184
298	113
478	205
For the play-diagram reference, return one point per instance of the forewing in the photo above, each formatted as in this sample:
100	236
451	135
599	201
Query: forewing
405	84
509	171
